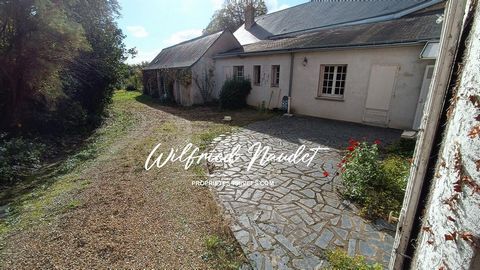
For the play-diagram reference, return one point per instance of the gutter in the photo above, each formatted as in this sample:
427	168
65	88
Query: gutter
324	48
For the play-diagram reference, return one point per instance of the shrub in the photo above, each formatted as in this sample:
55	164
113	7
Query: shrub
131	87
339	260
361	169
234	93
18	158
379	186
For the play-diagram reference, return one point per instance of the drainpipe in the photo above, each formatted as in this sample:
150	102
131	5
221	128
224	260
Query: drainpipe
290	83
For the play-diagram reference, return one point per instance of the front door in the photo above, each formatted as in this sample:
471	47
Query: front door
379	95
427	79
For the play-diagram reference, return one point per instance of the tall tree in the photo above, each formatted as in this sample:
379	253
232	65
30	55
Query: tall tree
93	75
37	39
232	15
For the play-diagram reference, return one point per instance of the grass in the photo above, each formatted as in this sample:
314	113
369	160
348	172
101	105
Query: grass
339	260
136	123
56	185
223	253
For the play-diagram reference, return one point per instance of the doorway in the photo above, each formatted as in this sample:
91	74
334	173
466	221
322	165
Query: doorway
427	79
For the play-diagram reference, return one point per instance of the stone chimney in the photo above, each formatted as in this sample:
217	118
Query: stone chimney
249	16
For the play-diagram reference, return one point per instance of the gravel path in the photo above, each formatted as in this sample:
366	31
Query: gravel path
128	217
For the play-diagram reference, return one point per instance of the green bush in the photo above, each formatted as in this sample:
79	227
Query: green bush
18	158
234	93
378	186
361	169
131	87
339	260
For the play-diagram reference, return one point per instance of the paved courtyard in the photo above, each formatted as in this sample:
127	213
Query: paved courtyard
294	213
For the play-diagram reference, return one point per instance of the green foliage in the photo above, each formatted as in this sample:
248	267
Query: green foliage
232	15
131	78
379	186
55	53
18	158
402	147
225	255
37	41
361	169
339	260
234	93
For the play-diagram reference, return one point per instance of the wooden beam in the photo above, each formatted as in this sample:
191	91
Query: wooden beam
452	30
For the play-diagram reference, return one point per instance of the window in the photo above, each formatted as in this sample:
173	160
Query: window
238	72
257	71
275	75
332	80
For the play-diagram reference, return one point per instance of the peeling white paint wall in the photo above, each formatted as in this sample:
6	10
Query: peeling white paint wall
451	225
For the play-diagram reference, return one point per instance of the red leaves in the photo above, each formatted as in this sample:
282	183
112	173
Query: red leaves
477	164
457	187
427	229
451	219
475	100
474	132
451	237
452	201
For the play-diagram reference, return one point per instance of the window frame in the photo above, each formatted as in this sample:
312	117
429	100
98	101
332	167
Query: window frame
257	73
236	70
331	89
275	82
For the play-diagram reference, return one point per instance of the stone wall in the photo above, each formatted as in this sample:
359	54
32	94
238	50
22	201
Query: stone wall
450	232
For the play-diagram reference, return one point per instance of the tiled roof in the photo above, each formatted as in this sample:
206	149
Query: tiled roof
415	28
184	54
328	13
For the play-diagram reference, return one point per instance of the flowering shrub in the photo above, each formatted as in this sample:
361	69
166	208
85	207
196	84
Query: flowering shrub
360	169
377	185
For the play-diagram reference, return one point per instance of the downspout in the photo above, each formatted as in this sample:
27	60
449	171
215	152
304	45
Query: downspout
290	82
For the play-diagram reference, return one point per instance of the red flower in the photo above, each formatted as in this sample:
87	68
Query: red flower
377	142
351	148
325	173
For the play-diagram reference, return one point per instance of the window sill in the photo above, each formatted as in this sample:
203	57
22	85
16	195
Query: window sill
341	99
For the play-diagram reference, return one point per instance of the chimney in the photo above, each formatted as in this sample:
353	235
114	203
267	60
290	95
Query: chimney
249	16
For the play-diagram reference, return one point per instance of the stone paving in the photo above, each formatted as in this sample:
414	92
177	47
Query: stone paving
289	223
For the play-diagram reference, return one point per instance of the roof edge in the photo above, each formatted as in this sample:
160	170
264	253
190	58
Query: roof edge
322	48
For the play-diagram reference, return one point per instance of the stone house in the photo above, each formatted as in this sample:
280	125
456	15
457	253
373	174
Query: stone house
184	73
367	62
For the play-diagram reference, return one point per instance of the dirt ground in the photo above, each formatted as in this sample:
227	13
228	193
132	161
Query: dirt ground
108	212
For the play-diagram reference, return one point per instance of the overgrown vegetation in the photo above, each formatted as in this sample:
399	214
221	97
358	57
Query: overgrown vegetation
377	185
18	158
57	55
234	93
339	260
50	191
225	254
60	63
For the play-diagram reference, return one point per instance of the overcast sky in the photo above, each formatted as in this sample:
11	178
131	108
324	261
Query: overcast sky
151	25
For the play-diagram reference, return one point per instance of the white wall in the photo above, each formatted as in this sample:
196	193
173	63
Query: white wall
458	158
359	61
271	96
224	43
